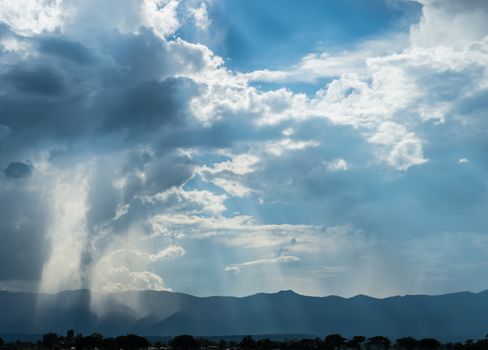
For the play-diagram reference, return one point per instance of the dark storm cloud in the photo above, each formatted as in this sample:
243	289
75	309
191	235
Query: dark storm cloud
74	95
69	50
18	170
161	172
141	57
72	101
149	105
168	171
37	80
109	96
102	196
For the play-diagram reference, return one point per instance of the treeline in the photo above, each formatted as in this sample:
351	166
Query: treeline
188	342
79	342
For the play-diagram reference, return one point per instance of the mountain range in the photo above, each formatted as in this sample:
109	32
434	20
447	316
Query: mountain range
448	317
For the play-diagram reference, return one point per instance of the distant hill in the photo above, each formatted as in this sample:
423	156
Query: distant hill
455	316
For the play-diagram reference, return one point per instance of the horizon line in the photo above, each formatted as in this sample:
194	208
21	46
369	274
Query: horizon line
244	296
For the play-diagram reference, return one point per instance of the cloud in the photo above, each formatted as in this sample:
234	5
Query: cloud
123	267
236	268
466	22
161	16
405	154
402	149
18	170
151	153
168	252
119	256
193	201
234	188
316	66
238	164
121	278
337	165
66	49
200	15
32	17
39	80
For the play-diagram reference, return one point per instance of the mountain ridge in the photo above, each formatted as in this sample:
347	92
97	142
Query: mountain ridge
451	316
283	291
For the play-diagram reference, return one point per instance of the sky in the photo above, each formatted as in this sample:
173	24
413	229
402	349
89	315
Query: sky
226	147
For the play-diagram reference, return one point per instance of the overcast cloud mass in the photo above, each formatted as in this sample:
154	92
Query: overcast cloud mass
233	147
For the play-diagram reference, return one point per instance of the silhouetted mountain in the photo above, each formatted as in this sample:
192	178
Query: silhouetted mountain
447	317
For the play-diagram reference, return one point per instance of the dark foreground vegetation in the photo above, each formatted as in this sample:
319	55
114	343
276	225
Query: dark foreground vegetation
97	341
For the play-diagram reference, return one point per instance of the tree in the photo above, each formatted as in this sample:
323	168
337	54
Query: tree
70	334
265	344
184	342
108	344
247	343
304	344
132	341
407	343
482	343
1	341
334	341
49	339
378	342
355	342
428	344
203	342
91	341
